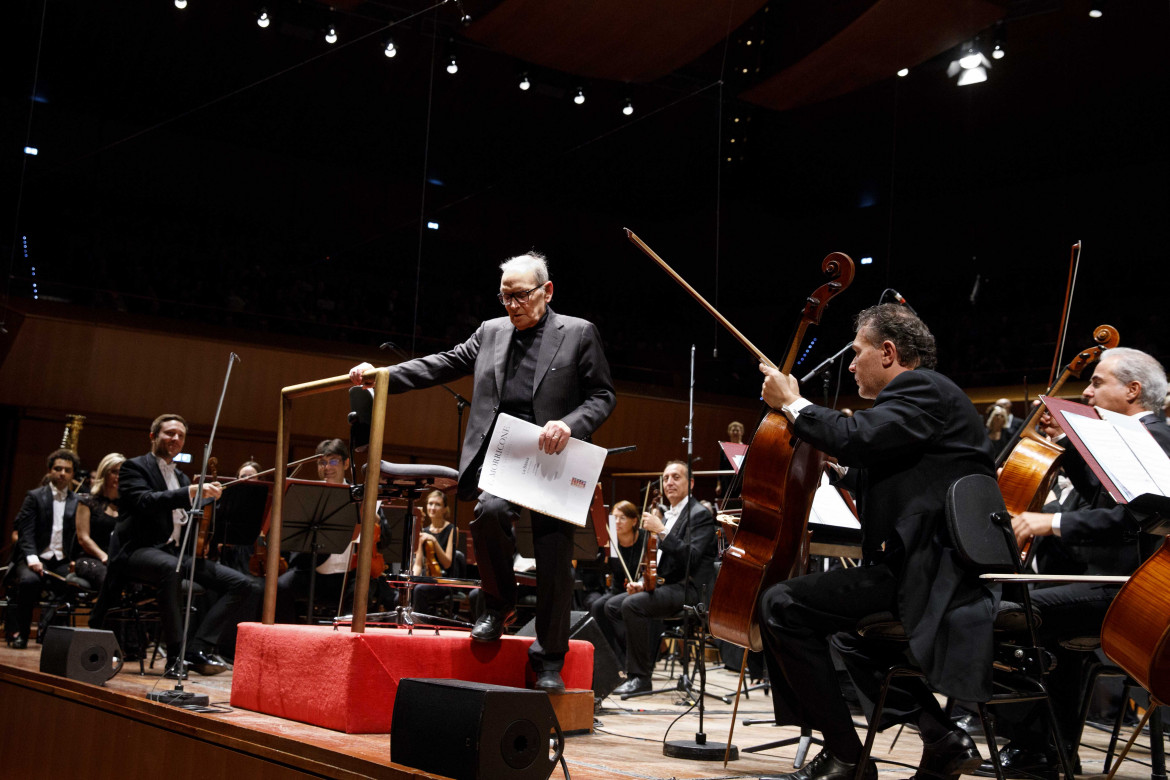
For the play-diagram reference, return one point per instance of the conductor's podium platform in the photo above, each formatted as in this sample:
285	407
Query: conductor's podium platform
347	682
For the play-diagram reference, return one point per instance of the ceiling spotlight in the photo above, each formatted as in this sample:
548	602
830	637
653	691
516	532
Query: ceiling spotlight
263	19
452	66
1096	9
579	99
628	110
971	67
331	34
180	4
998	52
976	75
971	58
525	84
391	50
903	73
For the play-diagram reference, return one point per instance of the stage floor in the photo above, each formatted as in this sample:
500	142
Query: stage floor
627	742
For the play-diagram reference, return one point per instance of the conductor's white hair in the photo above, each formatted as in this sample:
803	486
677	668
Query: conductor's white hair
530	262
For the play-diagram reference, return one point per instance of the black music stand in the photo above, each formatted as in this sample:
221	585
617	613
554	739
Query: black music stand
240	511
318	518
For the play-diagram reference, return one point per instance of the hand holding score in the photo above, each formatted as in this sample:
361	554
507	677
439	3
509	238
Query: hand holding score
554	438
779	389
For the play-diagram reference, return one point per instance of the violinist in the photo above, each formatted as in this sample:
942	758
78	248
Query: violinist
685	532
1099	537
900	456
332	466
434	555
625	561
154	497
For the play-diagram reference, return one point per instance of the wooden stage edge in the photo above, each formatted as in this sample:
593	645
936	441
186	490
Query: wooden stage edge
119	728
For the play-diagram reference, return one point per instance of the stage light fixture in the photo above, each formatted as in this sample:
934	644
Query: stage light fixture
903	73
525	84
180	4
628	110
331	35
976	75
999	49
971	58
31	151
263	19
579	98
1097	9
452	66
971	67
391	50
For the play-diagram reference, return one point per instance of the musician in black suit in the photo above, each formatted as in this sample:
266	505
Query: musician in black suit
1100	535
686	545
901	456
45	533
550	370
154	500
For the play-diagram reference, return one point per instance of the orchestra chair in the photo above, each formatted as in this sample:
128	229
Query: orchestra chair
980	528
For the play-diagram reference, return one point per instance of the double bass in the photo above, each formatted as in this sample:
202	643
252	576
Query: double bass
780	476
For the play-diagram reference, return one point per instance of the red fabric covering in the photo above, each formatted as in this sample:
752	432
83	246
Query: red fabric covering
347	682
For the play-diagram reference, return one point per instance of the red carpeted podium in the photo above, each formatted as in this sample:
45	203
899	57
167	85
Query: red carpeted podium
347	682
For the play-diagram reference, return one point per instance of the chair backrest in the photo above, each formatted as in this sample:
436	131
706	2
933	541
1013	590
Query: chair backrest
980	525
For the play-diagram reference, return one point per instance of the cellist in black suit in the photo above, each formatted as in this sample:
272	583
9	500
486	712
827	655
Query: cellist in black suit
901	456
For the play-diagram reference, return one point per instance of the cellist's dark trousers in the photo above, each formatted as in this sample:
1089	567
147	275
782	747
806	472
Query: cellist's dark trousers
798	618
641	614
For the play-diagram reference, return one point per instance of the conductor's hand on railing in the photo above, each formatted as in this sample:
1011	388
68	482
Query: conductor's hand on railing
355	373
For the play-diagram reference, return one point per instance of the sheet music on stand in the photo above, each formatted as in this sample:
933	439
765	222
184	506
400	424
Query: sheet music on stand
1123	455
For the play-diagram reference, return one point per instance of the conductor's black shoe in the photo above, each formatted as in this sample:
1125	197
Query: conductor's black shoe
203	663
826	766
176	669
490	626
953	755
633	685
549	681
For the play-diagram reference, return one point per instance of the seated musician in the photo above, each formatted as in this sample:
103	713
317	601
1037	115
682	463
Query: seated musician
435	553
97	514
153	500
1101	537
624	565
45	532
686	546
332	466
900	456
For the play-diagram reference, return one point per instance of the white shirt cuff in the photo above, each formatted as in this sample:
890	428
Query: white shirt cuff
792	410
31	559
1056	524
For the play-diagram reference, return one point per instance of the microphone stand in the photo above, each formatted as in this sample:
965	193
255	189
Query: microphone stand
697	748
178	697
461	404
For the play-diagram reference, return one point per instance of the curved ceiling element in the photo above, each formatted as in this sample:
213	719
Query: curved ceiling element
890	35
610	39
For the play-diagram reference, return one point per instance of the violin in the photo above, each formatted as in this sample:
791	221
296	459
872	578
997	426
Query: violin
377	562
780	475
432	561
258	563
203	544
650	553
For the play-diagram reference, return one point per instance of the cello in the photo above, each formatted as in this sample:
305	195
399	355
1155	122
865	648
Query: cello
1029	463
780	475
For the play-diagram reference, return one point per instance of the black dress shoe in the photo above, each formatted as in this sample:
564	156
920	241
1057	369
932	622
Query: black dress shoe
490	626
549	681
1027	763
204	663
176	670
632	686
826	766
953	755
18	642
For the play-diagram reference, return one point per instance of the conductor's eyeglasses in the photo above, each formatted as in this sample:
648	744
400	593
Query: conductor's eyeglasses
517	297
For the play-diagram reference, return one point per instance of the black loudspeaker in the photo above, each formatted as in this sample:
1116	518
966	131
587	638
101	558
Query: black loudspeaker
606	667
473	731
84	654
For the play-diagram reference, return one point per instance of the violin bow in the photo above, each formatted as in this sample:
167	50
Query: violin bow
1074	262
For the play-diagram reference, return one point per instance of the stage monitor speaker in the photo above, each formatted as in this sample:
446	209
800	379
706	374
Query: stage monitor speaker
606	667
84	654
473	731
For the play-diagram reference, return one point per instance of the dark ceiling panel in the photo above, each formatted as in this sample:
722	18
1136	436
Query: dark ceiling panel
890	35
610	39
